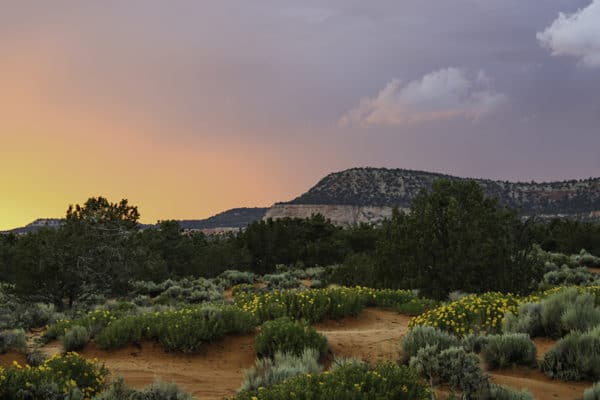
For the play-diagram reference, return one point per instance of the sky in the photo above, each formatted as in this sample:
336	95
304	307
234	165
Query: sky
188	108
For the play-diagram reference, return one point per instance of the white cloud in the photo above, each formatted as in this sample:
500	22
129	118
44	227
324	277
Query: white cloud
444	94
576	35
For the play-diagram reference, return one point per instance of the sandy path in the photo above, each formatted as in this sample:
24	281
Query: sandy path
372	336
213	373
538	384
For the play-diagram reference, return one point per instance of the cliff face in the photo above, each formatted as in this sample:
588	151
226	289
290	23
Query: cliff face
339	214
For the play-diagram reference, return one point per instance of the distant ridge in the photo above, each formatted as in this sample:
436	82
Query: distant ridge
234	218
383	187
36	226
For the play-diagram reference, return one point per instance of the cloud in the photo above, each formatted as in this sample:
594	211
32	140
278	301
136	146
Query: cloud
440	95
576	35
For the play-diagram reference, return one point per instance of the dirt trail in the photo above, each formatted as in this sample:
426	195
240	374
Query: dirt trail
538	384
372	336
213	373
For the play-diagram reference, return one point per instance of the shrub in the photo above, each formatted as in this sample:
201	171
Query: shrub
423	336
499	392
284	280
267	372
288	336
60	377
562	311
317	284
502	351
471	314
161	391
453	366
181	330
574	357
569	310
527	320
588	260
386	381
13	340
234	277
36	358
317	304
94	321
416	306
38	315
75	338
117	390
474	343
122	332
461	371
592	393
566	276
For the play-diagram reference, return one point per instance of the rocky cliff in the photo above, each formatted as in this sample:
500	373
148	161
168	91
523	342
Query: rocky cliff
369	194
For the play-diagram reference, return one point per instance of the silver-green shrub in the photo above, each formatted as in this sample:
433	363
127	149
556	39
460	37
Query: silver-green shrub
500	392
574	357
13	340
422	336
75	338
267	372
503	351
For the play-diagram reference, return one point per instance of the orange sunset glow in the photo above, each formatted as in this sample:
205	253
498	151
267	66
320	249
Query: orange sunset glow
191	108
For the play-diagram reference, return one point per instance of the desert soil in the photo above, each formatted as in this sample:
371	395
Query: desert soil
217	370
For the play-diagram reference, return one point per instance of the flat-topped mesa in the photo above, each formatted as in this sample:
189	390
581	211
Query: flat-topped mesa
369	195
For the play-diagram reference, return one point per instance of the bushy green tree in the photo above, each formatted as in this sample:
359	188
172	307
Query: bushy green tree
454	238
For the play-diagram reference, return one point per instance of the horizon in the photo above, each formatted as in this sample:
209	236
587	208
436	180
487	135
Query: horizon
146	222
190	109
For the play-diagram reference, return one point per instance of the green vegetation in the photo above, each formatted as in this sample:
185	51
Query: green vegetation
468	269
561	312
421	337
183	330
285	335
268	372
75	338
471	314
352	381
13	340
501	351
574	357
65	377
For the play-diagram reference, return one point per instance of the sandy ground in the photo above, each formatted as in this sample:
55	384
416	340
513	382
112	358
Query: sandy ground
539	384
595	270
213	373
374	335
216	371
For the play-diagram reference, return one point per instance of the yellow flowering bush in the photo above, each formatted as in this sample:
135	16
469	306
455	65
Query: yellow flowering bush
316	304
177	330
595	290
58	376
472	314
93	321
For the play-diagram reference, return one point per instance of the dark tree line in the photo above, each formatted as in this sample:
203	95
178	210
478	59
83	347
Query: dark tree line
454	238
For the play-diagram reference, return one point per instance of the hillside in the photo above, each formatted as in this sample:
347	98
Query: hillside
358	188
36	226
234	218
